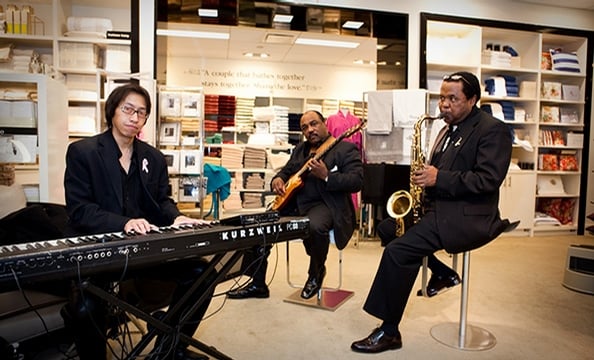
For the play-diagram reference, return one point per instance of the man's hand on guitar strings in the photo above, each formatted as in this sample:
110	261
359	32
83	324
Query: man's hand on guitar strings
318	168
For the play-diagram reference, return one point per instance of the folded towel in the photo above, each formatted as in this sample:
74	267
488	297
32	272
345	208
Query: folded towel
379	117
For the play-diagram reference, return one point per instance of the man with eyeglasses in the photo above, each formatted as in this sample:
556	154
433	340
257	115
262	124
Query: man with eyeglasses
115	182
468	163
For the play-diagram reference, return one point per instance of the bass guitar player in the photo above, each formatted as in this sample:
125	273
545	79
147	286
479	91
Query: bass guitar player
316	182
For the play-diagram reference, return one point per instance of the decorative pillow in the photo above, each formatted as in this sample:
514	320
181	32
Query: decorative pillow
12	198
563	61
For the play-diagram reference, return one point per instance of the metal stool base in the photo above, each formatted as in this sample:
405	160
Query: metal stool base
329	299
475	339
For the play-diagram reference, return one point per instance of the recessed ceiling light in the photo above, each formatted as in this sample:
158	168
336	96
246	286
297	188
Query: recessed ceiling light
354	25
282	18
193	34
364	62
329	43
208	12
256	55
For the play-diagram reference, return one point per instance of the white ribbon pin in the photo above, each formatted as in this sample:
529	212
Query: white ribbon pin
145	165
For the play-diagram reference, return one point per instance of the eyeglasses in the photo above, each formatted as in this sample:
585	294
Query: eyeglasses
129	110
456	77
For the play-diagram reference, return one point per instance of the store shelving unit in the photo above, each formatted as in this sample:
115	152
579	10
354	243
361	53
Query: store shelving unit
523	193
42	177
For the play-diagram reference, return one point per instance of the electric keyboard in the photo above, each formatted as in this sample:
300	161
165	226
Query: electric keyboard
116	252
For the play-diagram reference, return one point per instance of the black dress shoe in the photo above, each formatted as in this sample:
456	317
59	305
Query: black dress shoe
249	291
313	285
377	342
437	283
186	354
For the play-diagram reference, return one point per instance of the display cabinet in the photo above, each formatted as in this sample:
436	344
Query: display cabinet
59	43
37	113
180	137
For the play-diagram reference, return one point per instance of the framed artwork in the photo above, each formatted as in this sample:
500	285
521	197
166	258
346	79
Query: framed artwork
191	189
172	159
169	133
189	162
190	105
170	104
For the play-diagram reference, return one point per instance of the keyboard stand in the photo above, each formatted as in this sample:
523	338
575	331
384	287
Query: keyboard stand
163	326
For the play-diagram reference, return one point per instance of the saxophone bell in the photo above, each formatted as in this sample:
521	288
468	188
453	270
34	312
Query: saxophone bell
399	204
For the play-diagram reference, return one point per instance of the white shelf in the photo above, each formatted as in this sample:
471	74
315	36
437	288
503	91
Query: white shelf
527	67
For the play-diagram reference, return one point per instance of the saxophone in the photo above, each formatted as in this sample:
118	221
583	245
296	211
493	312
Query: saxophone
403	202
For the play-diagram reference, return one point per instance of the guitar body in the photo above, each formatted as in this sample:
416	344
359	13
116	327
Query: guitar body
294	183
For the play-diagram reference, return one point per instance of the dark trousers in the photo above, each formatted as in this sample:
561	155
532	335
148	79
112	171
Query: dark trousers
88	317
398	269
386	230
316	245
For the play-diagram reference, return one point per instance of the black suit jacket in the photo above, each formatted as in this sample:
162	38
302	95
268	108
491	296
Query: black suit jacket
467	188
345	177
93	185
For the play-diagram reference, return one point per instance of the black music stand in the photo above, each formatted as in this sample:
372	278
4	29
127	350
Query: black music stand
164	326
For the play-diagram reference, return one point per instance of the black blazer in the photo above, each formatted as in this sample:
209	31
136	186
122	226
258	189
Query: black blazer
345	177
93	185
468	181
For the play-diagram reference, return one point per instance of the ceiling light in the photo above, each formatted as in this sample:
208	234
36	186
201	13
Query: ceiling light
256	55
381	46
282	18
354	25
330	43
364	62
193	34
208	12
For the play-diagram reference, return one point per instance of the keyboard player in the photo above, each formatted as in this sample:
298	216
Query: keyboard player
116	182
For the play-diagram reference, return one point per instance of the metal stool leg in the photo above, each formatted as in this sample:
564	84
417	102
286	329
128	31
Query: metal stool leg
461	335
327	298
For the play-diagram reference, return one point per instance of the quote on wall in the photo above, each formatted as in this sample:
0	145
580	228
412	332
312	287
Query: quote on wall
248	79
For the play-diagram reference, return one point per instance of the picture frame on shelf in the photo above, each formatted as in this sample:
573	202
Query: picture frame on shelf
169	133
190	189
190	162
172	160
191	104
170	102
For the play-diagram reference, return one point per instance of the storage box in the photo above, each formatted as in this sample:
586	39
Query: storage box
117	58
568	115
575	139
80	56
528	89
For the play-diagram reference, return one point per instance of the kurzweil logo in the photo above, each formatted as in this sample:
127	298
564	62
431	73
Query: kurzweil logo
270	229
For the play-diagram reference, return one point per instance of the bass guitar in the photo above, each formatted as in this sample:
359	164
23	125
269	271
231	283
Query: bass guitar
295	182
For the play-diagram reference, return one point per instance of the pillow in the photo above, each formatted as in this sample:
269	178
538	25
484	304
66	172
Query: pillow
12	198
563	61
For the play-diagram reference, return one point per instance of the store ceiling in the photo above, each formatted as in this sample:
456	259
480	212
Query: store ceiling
279	45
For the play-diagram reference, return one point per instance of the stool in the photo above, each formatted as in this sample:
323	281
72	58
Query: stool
461	335
328	298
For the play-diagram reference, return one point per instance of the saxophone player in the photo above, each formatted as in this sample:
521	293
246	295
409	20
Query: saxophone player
468	163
